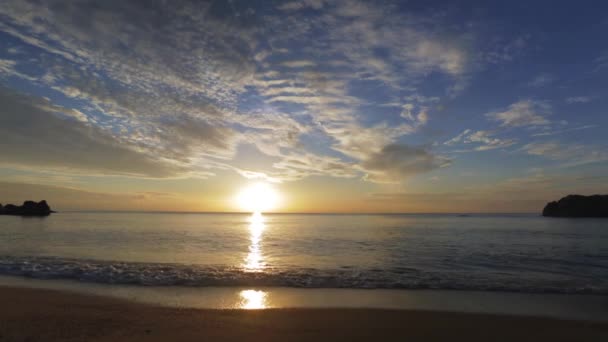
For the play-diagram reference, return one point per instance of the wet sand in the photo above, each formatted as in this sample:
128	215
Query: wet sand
50	315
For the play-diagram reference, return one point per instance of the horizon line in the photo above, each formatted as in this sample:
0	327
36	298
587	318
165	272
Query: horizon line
293	212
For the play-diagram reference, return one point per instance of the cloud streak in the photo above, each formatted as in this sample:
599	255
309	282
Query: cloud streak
524	113
31	135
567	154
396	162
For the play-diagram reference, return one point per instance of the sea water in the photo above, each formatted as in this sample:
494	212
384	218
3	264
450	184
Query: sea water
510	253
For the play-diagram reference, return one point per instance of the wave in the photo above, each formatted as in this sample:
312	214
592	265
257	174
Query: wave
165	274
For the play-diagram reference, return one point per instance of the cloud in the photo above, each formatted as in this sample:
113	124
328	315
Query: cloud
302	4
579	99
355	42
505	50
488	142
396	162
204	48
525	113
601	61
523	193
299	64
457	202
572	154
287	90
542	80
430	54
307	99
361	142
559	131
298	166
458	138
413	49
418	119
547	187
485	139
7	66
31	135
167	88
73	198
421	99
548	149
186	136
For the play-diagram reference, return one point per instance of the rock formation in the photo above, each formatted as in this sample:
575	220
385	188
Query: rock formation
578	206
29	208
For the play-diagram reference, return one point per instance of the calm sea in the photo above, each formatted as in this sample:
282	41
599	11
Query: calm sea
519	253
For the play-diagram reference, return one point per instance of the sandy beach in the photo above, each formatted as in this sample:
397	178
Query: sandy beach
50	315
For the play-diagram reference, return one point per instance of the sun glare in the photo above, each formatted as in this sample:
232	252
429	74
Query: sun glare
257	198
252	299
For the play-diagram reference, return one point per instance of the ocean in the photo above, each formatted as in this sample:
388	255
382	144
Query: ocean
507	253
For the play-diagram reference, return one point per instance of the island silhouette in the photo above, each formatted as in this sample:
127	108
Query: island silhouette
29	208
578	206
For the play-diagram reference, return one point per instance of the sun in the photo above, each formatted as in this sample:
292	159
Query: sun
258	197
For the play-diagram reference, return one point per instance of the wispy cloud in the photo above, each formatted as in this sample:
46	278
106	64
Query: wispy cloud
559	131
601	61
484	140
6	66
568	154
63	197
301	4
542	80
487	141
33	136
299	64
524	113
579	99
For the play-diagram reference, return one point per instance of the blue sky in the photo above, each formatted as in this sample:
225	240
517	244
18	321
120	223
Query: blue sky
392	106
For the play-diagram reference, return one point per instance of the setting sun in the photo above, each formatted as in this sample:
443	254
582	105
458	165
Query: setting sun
258	197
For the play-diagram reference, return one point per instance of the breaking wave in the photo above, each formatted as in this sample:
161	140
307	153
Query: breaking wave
165	274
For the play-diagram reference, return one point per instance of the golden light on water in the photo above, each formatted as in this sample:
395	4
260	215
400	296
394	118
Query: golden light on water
254	260
258	197
253	299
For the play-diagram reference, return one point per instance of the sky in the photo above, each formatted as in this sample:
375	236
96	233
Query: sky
341	106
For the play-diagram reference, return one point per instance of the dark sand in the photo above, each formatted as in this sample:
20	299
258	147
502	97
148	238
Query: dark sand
48	315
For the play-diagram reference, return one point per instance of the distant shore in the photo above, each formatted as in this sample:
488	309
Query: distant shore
50	315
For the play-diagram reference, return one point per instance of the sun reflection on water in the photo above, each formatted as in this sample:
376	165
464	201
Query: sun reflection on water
253	299
254	260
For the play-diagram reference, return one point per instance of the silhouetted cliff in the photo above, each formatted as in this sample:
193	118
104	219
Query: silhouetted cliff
578	206
29	208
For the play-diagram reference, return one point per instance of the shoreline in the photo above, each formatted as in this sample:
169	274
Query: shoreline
559	306
29	314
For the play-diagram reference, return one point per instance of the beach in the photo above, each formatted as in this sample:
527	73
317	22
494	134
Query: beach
28	314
